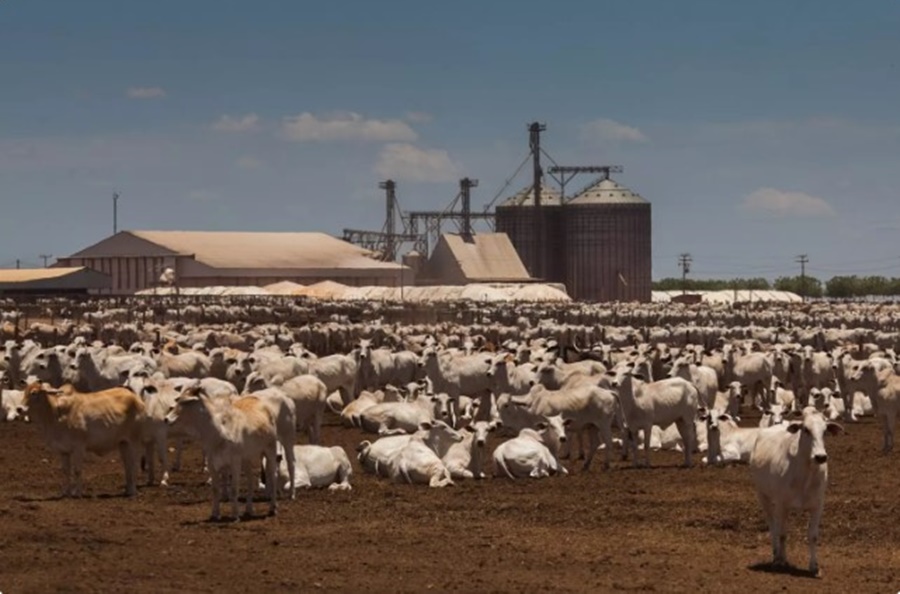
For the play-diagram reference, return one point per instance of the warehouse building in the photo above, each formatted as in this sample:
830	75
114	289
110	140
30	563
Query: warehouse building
135	260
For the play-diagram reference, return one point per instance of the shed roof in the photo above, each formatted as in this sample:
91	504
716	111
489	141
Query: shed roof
486	256
607	191
242	249
32	279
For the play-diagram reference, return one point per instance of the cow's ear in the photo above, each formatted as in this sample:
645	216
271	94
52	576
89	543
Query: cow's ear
425	425
794	427
541	426
469	429
567	422
149	390
638	376
834	428
724	418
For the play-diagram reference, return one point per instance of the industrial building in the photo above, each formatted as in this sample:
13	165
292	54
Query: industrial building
135	260
477	258
58	281
598	243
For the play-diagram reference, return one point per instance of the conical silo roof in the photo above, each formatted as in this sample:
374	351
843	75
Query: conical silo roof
550	196
607	191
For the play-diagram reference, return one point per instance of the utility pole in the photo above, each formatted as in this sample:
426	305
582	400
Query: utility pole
115	212
45	257
803	260
534	143
18	264
684	262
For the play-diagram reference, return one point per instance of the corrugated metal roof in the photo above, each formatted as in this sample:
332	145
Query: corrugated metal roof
550	196
488	256
607	191
240	249
27	275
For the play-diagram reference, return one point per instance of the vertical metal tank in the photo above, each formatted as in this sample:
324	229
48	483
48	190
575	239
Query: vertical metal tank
607	231
515	217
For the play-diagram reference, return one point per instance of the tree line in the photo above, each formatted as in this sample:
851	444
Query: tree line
838	287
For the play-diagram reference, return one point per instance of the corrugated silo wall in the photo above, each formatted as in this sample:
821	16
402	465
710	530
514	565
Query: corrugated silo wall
518	223
608	251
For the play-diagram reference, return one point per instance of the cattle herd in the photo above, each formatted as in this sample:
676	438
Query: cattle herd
545	385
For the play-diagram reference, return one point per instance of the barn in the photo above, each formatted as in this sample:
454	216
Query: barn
135	260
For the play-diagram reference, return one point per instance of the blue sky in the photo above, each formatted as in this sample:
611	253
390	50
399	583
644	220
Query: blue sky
759	131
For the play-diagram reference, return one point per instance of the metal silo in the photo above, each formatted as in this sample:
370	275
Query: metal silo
515	217
607	244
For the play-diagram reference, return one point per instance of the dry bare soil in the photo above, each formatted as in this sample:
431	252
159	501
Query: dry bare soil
665	529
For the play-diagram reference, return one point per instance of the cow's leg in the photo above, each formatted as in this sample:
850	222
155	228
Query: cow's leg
271	488
315	429
606	432
779	534
593	443
686	430
179	447
236	464
216	477
813	537
150	462
129	461
648	435
162	452
847	397
292	470
272	471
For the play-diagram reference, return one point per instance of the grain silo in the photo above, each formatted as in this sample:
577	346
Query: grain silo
515	217
607	228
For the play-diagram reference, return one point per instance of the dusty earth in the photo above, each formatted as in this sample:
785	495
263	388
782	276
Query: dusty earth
666	529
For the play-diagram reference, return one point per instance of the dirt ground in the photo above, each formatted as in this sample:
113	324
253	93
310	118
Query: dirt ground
665	529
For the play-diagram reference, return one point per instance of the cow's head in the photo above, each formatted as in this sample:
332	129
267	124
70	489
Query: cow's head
811	429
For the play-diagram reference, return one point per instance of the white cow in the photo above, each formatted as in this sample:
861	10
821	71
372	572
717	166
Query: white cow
466	458
790	471
234	435
673	400
728	442
374	457
317	467
533	453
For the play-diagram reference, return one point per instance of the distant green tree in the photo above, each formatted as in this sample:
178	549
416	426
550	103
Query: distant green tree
842	287
692	284
874	285
808	286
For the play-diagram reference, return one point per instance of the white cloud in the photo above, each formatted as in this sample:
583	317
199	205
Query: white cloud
402	161
787	204
348	126
606	129
248	162
145	92
419	117
246	123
